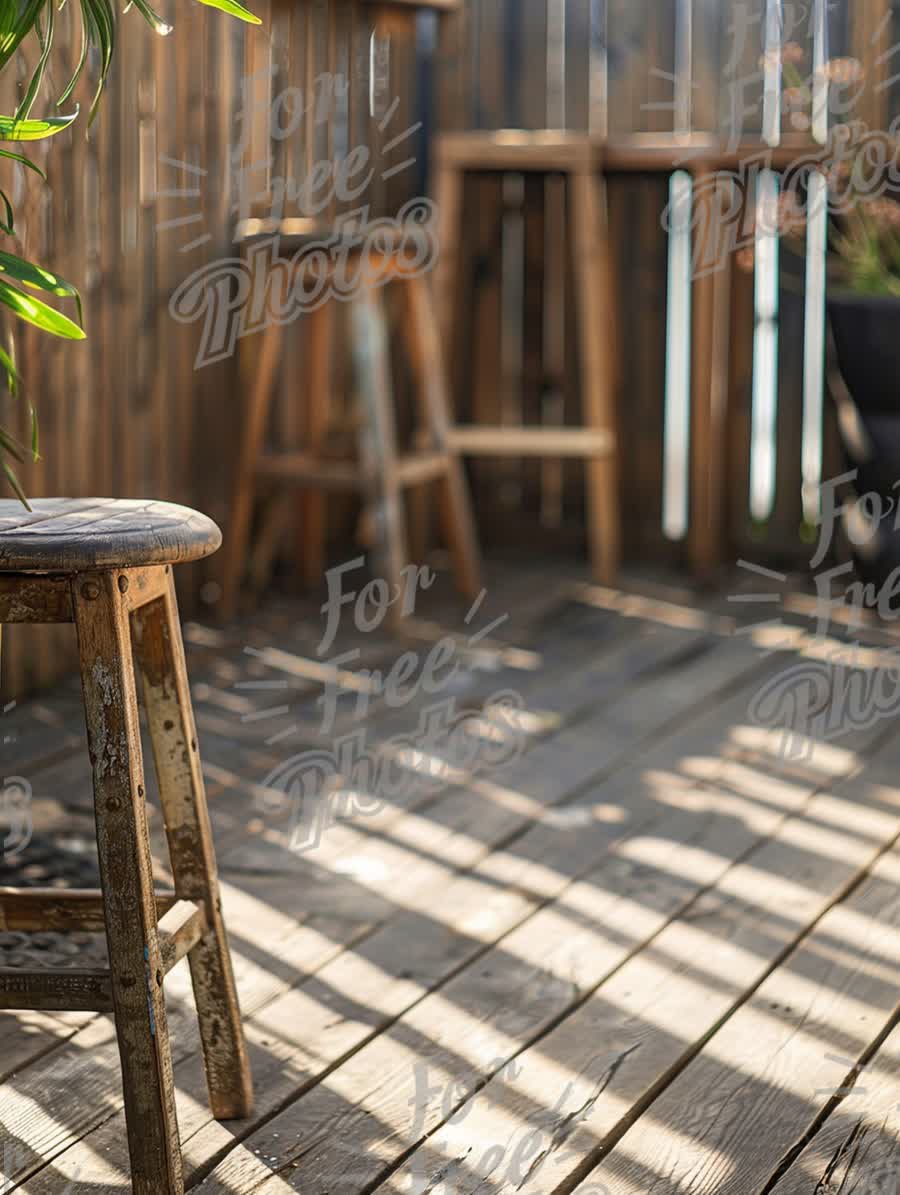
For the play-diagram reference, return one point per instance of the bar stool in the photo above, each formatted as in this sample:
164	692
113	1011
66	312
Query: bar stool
105	564
355	267
578	159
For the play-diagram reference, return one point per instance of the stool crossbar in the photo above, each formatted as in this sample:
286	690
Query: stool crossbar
379	472
105	566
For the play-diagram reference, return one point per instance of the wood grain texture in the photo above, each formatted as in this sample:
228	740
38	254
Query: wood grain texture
72	535
136	968
153	190
293	994
742	1109
160	658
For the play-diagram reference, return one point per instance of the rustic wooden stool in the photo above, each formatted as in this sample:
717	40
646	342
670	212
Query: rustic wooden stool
380	473
106	566
578	159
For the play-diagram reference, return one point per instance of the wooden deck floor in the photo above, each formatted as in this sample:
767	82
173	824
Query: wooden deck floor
647	953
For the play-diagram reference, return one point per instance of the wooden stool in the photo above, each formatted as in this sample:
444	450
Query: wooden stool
105	565
579	160
380	473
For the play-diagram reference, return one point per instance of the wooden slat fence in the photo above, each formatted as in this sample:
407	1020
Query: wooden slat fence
150	195
619	67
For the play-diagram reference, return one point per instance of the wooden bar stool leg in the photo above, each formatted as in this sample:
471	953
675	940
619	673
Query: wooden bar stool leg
136	971
593	294
274	523
449	197
424	344
159	653
318	396
245	485
378	450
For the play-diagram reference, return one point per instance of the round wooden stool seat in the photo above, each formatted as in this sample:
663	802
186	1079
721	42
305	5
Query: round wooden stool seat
80	534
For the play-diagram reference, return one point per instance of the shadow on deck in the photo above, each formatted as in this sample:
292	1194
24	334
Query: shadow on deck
573	912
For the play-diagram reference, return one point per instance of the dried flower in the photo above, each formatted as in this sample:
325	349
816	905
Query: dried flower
843	71
838	173
791	214
745	259
791	54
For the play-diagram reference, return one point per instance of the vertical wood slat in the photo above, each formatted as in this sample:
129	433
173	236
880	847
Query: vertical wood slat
127	412
871	41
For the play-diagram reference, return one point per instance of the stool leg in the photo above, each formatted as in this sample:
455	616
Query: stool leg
449	195
591	267
318	400
245	483
379	438
424	345
107	678
159	653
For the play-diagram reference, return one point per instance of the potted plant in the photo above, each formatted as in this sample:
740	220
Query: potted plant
857	179
21	281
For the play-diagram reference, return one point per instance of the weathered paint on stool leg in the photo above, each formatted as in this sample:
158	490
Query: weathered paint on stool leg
160	657
107	677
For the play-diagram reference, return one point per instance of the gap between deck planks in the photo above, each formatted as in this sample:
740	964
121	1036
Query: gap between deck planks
311	1019
652	652
347	1133
756	1090
557	796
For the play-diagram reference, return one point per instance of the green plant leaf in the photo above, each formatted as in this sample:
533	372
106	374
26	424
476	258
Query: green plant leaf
45	40
13	129
17	489
33	311
153	19
8	365
234	10
8	444
40	279
100	21
9	226
16	25
23	161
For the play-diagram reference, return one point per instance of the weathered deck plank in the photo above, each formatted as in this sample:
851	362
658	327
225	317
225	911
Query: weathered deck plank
756	894
749	1098
527	915
541	848
545	780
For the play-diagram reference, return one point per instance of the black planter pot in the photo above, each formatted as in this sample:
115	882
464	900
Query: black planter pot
867	339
